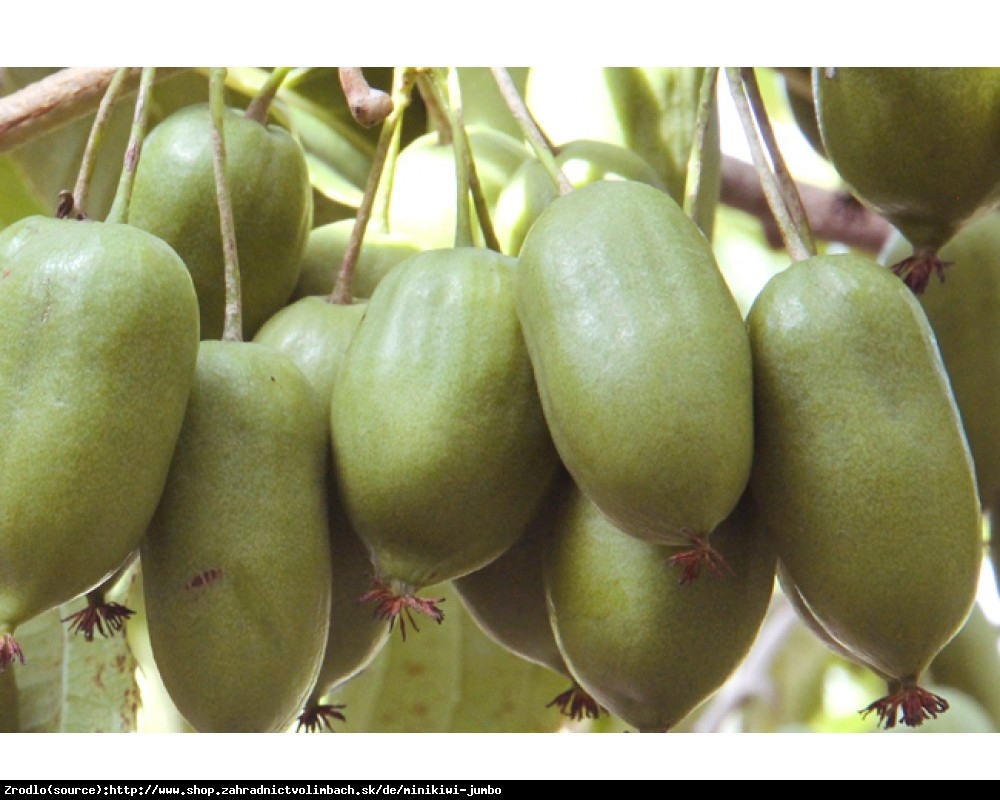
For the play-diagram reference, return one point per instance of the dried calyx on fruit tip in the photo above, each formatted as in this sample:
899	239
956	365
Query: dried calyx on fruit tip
392	603
700	554
916	270
317	716
576	703
97	614
912	704
10	651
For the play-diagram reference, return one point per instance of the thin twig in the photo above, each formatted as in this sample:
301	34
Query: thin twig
59	99
368	106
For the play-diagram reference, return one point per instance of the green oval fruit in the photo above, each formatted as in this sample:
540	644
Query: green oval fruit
175	198
647	648
315	335
861	469
423	203
236	562
920	145
440	447
583	161
506	598
99	333
965	315
641	357
324	252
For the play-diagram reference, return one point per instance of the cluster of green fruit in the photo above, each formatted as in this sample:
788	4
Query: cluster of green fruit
576	427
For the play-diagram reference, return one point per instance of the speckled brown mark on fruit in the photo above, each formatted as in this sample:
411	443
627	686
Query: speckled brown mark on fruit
204	578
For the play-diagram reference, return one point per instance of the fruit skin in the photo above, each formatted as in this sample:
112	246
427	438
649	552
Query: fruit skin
647	648
964	312
424	190
582	161
920	145
506	598
99	324
324	251
438	368
175	198
315	335
641	357
862	472
236	562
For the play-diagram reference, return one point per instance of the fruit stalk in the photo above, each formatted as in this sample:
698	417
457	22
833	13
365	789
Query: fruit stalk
694	198
123	196
402	87
260	105
780	193
232	329
531	131
77	202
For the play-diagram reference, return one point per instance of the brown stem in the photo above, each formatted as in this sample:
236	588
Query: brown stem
833	216
59	99
369	107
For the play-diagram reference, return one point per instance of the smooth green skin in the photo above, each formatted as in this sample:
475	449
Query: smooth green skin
641	357
440	447
506	598
649	110
920	145
315	335
247	495
964	312
99	325
862	470
324	252
175	198
423	203
582	161
646	647
970	662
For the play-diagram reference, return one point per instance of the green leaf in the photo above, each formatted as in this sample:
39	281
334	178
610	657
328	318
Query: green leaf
17	198
70	685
